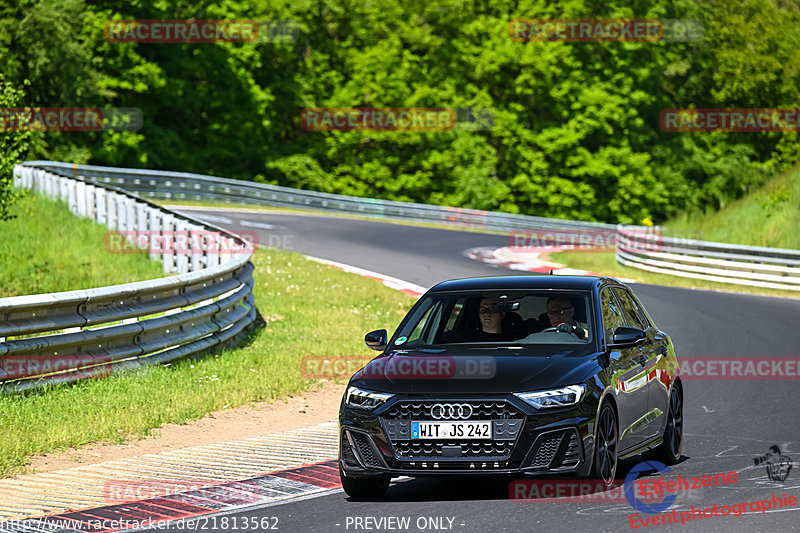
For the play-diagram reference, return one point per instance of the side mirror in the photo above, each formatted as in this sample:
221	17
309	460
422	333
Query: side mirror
377	340
625	337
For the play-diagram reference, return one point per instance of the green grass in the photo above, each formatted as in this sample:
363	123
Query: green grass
48	249
606	264
311	309
770	216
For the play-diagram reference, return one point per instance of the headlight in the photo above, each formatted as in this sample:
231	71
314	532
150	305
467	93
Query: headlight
569	395
364	399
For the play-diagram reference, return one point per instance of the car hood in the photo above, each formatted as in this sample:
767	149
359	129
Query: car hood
478	370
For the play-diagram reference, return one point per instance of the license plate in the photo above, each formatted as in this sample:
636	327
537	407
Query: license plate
451	430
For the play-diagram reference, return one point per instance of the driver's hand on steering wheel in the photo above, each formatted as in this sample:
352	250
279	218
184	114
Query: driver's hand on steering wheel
567	328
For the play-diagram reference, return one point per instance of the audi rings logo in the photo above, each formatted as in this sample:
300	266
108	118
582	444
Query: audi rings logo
441	411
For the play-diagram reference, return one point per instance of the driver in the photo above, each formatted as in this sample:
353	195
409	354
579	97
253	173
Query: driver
560	312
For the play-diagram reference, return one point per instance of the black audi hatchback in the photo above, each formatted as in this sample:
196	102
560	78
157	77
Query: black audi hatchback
512	375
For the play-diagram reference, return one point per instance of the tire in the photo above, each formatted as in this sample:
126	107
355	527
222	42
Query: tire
669	451
364	488
605	460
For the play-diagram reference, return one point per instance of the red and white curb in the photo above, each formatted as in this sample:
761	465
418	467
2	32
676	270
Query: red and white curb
151	475
190	505
389	281
528	259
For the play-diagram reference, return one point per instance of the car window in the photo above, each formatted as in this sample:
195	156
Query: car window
455	313
423	327
518	316
612	315
630	310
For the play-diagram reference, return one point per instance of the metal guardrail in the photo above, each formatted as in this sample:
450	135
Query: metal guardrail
646	249
67	336
177	186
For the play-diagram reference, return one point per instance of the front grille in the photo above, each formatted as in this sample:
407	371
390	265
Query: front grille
469	449
507	422
365	450
482	410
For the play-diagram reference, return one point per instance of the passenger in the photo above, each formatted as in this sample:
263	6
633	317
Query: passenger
561	311
491	318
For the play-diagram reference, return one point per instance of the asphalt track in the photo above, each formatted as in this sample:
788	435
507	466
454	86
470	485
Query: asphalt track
728	423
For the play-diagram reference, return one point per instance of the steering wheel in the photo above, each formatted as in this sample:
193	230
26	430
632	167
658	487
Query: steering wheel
564	328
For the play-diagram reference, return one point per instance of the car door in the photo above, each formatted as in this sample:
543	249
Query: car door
649	354
627	376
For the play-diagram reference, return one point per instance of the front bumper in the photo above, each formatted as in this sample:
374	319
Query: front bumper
524	441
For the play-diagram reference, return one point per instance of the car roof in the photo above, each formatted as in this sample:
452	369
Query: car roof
523	282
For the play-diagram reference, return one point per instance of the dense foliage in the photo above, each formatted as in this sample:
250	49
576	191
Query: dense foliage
13	146
576	133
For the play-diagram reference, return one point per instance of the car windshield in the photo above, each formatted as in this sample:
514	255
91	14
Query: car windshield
518	317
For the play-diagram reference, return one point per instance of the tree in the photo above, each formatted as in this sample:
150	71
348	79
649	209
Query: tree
13	147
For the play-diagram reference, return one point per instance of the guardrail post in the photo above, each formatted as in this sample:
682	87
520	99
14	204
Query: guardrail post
38	186
168	240
225	245
155	229
130	214
101	205
72	201
89	199
53	183
196	247
63	194
121	214
182	246
111	209
141	217
212	248
44	184
17	174
80	192
48	184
